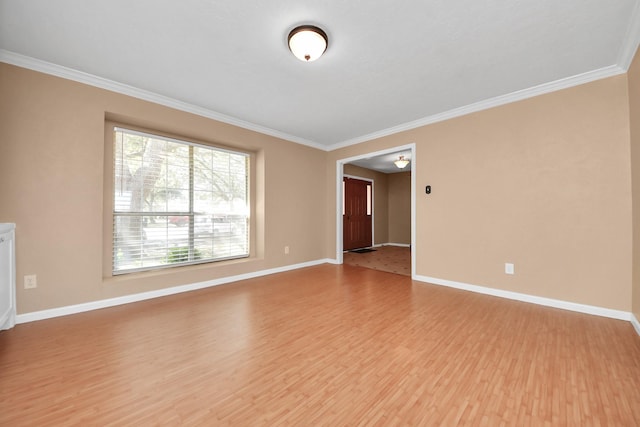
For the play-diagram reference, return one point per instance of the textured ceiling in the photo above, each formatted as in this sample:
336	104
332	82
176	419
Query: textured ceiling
384	162
390	65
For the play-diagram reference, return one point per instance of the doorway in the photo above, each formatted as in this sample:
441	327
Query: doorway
357	211
378	158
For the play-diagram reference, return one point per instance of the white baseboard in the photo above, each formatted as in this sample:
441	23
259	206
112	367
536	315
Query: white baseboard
401	245
635	323
565	305
126	299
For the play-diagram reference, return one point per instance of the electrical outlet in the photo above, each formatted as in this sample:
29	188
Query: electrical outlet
509	268
286	250
30	281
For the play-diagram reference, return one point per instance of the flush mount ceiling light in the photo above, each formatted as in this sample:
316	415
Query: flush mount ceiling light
401	162
308	42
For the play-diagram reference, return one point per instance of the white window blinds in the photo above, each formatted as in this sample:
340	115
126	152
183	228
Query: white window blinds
176	202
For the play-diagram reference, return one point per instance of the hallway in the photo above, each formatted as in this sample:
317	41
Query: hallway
392	259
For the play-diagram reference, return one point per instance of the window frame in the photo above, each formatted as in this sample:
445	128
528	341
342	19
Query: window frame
109	265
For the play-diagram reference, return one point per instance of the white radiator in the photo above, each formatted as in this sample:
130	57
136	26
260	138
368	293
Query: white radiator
7	276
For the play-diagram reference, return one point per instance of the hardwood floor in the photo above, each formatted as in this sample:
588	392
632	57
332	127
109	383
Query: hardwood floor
327	345
392	259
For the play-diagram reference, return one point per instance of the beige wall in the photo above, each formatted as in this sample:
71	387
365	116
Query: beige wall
543	183
399	207
634	114
52	179
380	201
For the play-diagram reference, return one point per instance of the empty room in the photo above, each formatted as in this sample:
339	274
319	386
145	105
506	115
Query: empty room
184	186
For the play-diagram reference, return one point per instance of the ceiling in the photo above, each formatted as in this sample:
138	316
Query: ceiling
390	65
384	162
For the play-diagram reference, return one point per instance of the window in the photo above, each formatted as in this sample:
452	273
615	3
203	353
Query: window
176	202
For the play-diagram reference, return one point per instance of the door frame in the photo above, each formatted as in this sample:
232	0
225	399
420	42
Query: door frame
373	208
339	177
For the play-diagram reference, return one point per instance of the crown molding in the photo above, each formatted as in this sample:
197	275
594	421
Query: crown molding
631	40
30	63
488	103
70	74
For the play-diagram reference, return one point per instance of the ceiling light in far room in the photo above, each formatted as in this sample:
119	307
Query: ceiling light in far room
401	162
308	42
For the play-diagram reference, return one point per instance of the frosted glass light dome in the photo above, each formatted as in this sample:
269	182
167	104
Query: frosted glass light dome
307	42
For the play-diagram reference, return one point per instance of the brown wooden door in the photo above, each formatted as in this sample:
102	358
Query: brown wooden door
356	218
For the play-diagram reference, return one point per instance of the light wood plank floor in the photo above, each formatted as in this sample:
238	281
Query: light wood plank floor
328	345
392	259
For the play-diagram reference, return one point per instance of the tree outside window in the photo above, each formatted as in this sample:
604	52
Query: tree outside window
176	202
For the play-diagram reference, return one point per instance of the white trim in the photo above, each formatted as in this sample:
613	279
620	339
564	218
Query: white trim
414	217
361	178
400	245
112	302
635	323
548	302
126	299
8	277
339	210
625	57
519	95
124	89
631	40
